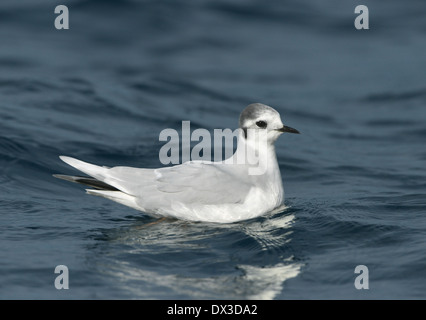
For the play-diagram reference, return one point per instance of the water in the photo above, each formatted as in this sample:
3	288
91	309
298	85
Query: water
103	90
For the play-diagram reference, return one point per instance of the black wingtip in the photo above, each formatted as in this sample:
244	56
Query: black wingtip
91	182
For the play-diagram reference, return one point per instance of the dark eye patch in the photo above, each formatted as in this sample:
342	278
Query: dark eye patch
261	124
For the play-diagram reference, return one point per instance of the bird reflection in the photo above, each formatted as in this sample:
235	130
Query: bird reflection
174	259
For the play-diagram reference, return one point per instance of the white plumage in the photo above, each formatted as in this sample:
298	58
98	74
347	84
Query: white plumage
222	192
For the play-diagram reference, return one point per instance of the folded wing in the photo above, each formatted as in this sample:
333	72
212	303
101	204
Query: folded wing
189	183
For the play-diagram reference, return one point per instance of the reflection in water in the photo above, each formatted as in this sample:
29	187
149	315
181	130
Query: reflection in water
268	281
186	260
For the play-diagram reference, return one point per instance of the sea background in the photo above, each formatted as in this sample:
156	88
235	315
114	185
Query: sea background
102	91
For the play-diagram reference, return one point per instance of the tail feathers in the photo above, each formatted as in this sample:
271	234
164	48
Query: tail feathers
91	182
99	175
95	171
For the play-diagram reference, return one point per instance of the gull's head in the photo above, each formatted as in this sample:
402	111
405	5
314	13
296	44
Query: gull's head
261	118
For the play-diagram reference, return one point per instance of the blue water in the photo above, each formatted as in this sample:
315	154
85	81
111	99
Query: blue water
102	91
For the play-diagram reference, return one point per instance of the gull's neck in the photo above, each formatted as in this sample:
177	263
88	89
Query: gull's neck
265	171
256	154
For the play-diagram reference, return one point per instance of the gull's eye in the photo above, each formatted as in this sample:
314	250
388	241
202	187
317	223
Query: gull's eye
261	124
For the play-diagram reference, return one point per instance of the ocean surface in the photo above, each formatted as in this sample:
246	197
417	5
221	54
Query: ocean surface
103	90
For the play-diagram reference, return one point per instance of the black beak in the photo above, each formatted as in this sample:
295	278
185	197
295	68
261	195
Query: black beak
288	129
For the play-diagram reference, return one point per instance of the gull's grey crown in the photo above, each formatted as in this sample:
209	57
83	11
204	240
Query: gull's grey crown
253	111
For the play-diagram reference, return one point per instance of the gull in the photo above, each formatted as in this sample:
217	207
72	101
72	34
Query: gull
212	191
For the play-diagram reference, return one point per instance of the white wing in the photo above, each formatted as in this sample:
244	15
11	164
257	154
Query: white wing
190	183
